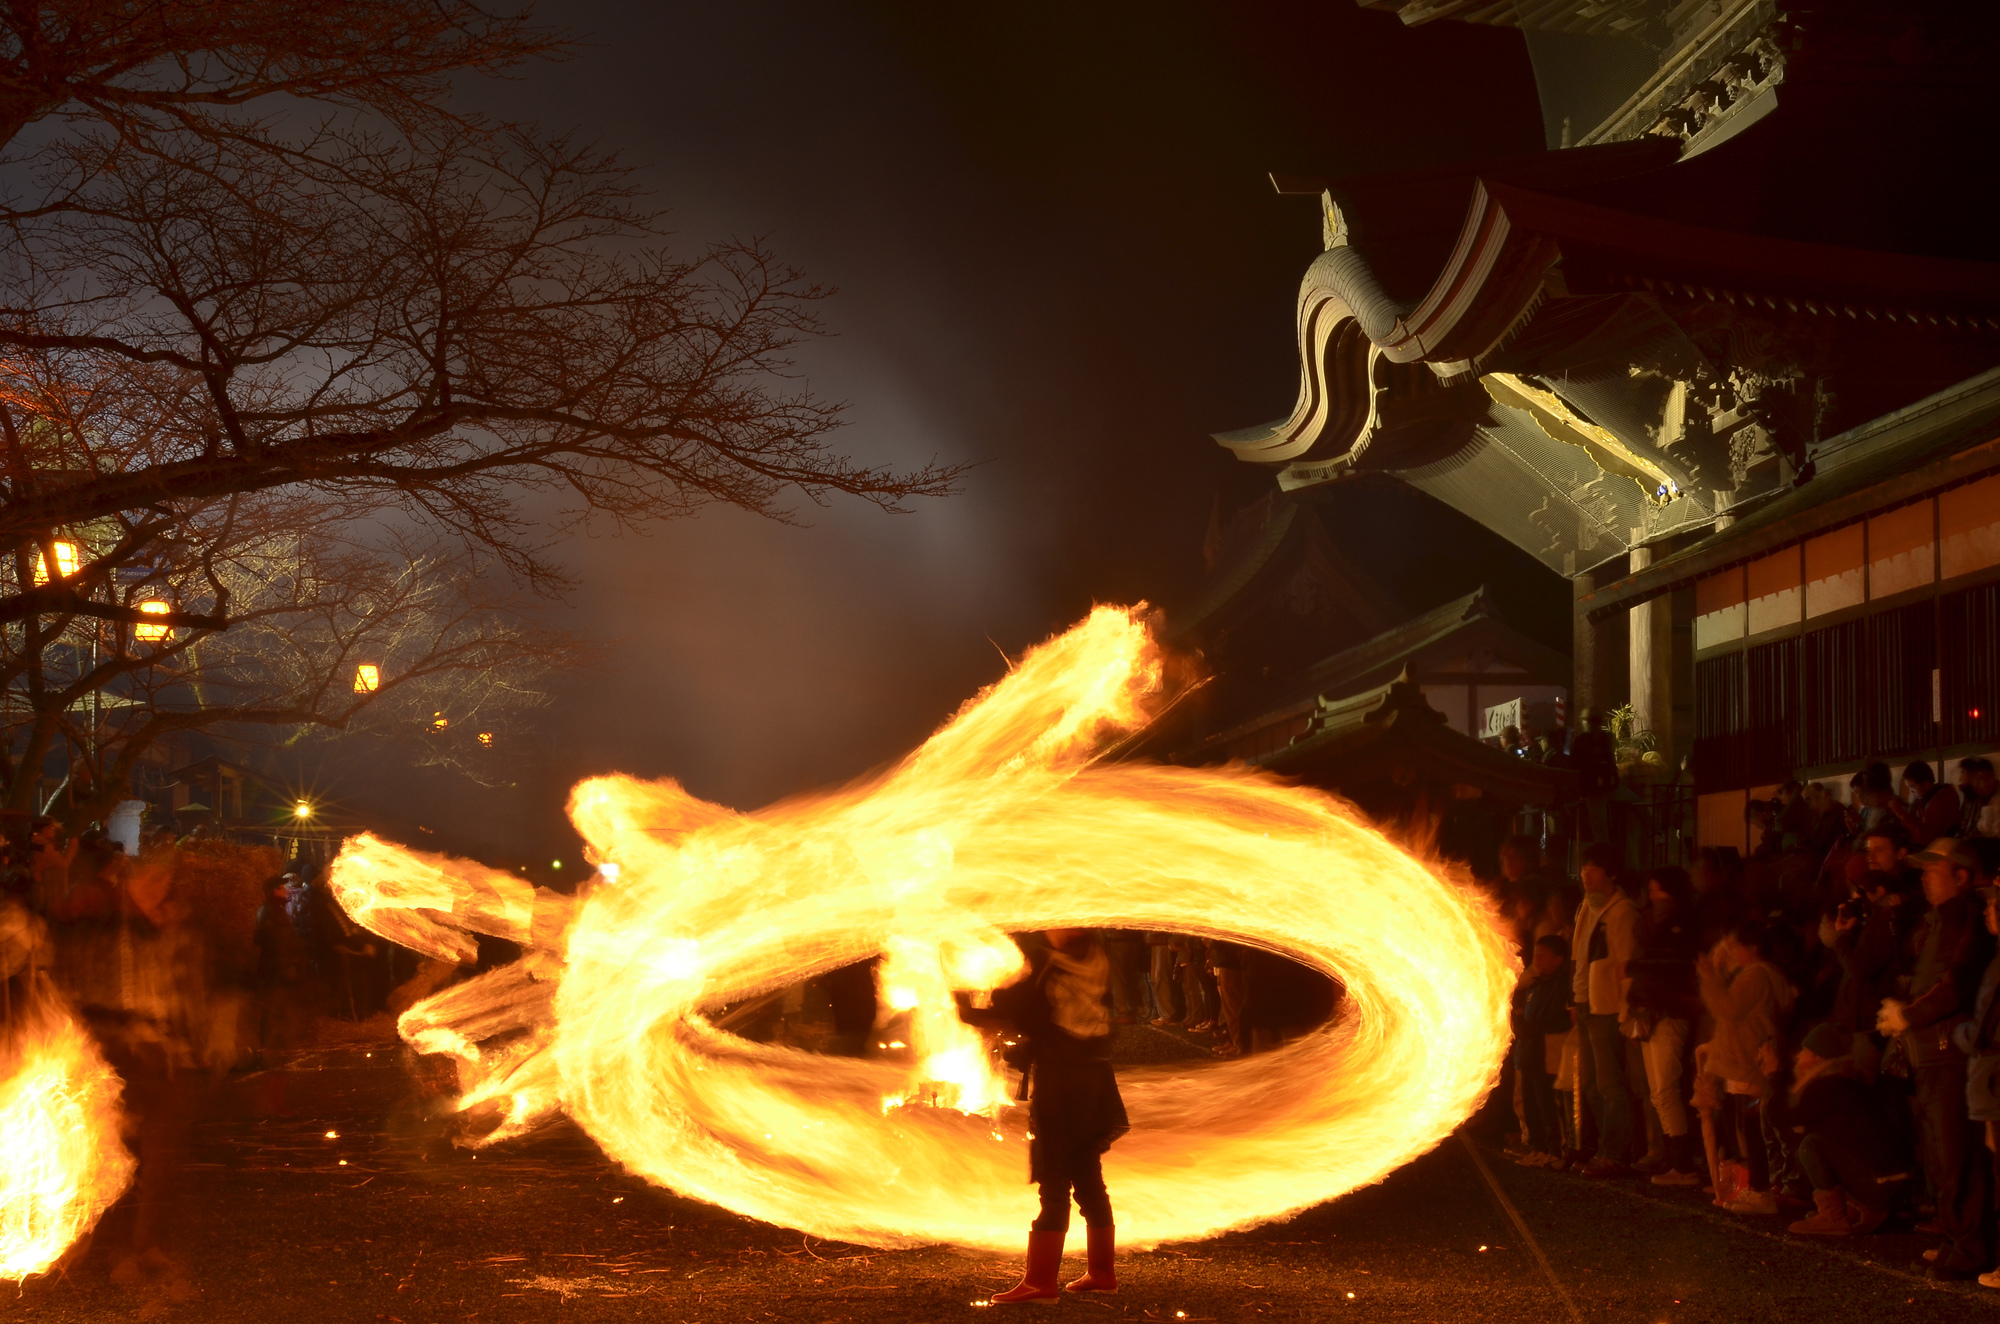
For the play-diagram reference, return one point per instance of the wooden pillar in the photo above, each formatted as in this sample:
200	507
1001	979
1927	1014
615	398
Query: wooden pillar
1651	642
1583	651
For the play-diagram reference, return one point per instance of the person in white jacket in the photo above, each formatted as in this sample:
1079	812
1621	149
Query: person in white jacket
1607	936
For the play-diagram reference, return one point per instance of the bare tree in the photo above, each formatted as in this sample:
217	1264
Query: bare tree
335	624
140	66
219	311
387	297
458	318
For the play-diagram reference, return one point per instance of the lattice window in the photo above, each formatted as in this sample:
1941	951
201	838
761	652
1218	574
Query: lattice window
1772	752
1837	726
1721	722
1969	665
1902	649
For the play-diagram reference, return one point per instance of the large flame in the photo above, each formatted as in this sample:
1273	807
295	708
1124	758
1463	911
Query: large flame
1001	822
61	1161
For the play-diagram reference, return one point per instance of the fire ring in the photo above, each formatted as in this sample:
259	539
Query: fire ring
1001	822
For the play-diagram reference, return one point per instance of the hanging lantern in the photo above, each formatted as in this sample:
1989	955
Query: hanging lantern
65	563
367	678
147	632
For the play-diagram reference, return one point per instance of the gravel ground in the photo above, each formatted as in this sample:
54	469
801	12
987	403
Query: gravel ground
276	1227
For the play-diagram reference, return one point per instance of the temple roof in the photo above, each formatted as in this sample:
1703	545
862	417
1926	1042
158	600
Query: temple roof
1593	348
1578	16
1278	545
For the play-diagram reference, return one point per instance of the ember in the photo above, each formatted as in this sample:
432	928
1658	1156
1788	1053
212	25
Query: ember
1002	821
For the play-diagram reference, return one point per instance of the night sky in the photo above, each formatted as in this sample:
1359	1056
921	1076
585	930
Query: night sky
1058	255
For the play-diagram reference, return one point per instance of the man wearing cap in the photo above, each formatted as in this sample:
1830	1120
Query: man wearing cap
1952	954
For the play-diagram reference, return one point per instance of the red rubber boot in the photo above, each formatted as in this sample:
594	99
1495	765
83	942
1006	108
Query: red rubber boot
1103	1275
1038	1284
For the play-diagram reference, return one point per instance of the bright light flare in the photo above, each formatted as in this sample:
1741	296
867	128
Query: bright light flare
152	632
66	562
367	678
1003	821
61	1161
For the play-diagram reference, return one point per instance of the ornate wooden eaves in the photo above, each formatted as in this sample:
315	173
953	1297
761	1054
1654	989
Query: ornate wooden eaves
1388	385
1392	385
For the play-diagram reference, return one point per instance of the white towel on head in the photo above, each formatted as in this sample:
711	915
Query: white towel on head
1076	987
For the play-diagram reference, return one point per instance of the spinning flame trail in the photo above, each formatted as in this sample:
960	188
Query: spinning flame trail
1000	822
61	1162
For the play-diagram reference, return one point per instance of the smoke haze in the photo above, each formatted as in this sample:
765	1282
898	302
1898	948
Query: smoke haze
1058	256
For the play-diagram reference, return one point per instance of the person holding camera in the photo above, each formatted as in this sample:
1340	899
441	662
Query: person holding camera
1870	936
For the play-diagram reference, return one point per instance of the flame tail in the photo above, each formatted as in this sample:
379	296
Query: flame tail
61	1161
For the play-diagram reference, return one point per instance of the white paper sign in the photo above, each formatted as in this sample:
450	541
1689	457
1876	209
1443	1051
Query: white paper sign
1501	716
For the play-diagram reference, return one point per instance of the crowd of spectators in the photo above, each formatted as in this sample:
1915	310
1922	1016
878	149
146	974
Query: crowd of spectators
1809	1031
297	957
186	959
1225	996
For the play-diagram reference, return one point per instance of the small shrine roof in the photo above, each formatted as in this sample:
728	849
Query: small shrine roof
1462	620
1373	735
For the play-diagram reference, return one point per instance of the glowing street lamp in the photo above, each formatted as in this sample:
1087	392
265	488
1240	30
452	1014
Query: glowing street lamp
150	632
367	678
65	563
302	810
439	721
486	739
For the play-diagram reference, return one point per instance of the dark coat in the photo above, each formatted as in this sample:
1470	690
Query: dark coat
1838	1106
1662	969
1074	1109
1870	956
1541	1007
1952	954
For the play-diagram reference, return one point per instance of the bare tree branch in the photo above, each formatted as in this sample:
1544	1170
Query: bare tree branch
293	355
